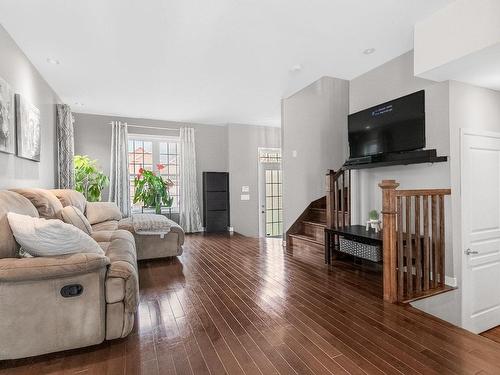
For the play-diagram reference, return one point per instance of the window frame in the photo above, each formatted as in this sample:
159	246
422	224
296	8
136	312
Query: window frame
155	151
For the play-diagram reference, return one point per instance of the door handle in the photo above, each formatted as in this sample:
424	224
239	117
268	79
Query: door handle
469	252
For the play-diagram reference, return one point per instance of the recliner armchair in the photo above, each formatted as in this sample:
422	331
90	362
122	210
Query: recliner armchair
50	304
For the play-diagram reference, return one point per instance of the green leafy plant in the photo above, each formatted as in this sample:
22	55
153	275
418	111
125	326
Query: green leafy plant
152	190
89	178
373	215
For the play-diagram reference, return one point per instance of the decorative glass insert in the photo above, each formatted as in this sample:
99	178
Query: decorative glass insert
268	156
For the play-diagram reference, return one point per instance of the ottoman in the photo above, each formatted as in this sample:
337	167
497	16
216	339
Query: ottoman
152	242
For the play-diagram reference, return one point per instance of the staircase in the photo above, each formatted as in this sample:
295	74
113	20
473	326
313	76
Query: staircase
333	210
308	232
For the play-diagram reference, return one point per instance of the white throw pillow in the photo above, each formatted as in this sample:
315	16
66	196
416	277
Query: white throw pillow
47	237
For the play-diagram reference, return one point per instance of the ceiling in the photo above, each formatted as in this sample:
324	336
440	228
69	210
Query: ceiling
213	62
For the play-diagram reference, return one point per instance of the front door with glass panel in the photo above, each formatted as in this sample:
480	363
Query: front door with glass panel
270	192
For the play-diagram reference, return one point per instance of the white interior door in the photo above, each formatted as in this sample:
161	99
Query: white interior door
480	173
270	193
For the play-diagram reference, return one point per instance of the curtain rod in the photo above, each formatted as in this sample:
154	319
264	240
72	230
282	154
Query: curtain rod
149	127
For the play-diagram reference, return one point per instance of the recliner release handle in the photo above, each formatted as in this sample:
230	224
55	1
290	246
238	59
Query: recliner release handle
71	290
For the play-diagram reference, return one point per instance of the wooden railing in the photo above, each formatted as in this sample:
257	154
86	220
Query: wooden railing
338	198
413	241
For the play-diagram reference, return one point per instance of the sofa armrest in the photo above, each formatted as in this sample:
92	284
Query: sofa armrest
40	268
98	212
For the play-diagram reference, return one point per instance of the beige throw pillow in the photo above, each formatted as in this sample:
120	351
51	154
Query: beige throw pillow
46	203
47	237
72	215
98	212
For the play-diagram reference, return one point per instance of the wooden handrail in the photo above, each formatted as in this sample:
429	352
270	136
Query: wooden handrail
413	241
338	198
422	192
338	203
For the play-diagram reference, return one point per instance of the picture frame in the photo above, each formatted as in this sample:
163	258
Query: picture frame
28	129
7	118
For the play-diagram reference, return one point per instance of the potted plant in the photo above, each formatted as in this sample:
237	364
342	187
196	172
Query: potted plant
152	190
373	221
89	178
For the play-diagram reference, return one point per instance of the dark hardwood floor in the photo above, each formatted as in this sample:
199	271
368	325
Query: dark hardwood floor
492	334
238	305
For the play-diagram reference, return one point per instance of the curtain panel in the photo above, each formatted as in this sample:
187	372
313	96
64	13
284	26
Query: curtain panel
119	184
190	218
65	147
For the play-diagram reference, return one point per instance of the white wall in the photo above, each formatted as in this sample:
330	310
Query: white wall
243	144
389	81
462	28
314	124
229	148
17	70
93	138
472	108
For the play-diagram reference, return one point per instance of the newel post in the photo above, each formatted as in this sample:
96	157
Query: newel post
389	239
330	198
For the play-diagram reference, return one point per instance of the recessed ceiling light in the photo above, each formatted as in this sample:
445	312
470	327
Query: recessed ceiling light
296	68
53	61
78	104
369	51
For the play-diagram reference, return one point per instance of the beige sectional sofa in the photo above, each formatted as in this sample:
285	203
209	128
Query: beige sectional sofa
105	216
56	303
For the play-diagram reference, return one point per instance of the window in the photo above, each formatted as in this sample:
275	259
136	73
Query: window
146	152
270	156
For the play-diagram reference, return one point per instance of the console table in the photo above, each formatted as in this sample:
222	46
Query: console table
357	233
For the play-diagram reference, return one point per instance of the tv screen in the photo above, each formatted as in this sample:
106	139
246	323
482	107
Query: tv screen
395	126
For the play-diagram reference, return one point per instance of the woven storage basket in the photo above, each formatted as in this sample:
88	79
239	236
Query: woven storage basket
361	250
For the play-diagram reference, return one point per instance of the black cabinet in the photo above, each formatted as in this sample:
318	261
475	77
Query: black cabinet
216	201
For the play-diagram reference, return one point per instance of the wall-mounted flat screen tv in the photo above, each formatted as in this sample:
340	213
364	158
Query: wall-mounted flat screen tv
395	126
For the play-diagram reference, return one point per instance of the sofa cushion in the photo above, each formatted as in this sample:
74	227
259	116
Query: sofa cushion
47	237
29	269
105	226
123	265
46	203
12	202
72	215
98	212
69	197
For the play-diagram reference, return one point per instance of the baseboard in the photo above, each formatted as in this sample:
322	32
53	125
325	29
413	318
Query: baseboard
450	281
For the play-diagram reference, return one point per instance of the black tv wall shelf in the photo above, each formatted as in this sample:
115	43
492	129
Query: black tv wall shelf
404	158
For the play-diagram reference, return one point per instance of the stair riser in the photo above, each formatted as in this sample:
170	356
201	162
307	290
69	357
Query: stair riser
314	231
304	244
317	215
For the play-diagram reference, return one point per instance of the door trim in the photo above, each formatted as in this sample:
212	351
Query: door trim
261	188
463	236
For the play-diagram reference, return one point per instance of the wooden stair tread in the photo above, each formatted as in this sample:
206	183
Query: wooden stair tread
429	293
304	237
321	209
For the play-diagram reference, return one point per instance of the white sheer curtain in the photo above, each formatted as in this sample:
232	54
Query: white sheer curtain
190	219
119	187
